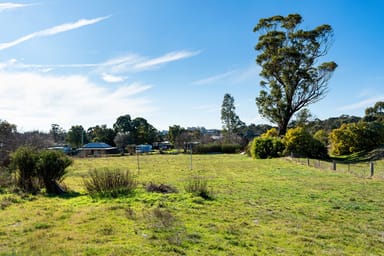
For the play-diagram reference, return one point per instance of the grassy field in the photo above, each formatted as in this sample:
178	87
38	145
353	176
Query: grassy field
260	207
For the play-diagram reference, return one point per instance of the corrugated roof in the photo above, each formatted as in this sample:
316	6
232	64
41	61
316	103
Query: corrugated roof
97	145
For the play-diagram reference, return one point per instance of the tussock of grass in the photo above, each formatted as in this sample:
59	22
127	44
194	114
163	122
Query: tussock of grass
109	183
198	186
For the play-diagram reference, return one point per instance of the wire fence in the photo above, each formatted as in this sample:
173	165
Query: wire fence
361	169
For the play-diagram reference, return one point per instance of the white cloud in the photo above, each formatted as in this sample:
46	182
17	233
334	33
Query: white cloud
53	31
112	79
235	76
9	5
362	104
109	70
215	78
169	57
35	101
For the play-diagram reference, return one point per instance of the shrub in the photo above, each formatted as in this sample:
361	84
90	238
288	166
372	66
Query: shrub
266	147
271	133
109	183
322	136
356	137
300	142
52	168
35	169
24	160
6	180
198	186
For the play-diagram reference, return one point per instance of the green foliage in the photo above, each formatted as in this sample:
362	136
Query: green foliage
109	183
231	121
301	143
322	136
6	180
138	130
230	148
198	186
208	148
52	166
270	133
174	133
24	160
287	56
8	141
266	147
76	136
375	113
355	137
58	134
218	148
36	168
101	134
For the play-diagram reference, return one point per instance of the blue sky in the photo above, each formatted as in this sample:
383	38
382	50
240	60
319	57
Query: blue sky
170	61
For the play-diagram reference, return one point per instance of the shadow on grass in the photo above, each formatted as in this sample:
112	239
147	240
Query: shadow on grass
66	195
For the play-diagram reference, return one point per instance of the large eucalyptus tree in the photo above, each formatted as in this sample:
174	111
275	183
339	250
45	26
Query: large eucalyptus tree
292	76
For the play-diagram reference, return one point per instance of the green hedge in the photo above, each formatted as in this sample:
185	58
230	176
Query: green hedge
218	148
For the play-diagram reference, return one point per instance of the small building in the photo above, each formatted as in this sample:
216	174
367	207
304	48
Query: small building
163	145
63	148
96	149
144	148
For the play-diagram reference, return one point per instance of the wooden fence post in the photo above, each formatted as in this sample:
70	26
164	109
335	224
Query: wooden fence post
372	167
334	165
308	161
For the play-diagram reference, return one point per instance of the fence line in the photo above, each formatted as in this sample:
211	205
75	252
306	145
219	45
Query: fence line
361	169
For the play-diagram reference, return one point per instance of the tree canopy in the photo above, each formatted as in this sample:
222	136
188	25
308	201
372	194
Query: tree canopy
231	121
288	57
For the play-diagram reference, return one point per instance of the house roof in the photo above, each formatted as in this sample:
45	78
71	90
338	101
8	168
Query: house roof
96	145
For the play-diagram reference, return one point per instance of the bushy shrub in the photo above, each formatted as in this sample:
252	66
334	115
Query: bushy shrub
24	160
301	143
356	137
35	169
271	133
109	183
266	147
52	166
198	186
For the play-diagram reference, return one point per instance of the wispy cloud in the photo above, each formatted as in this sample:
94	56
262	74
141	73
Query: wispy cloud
112	79
53	31
169	57
215	78
34	100
111	70
235	76
362	104
10	5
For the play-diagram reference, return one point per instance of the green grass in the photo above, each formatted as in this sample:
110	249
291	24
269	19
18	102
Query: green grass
259	207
